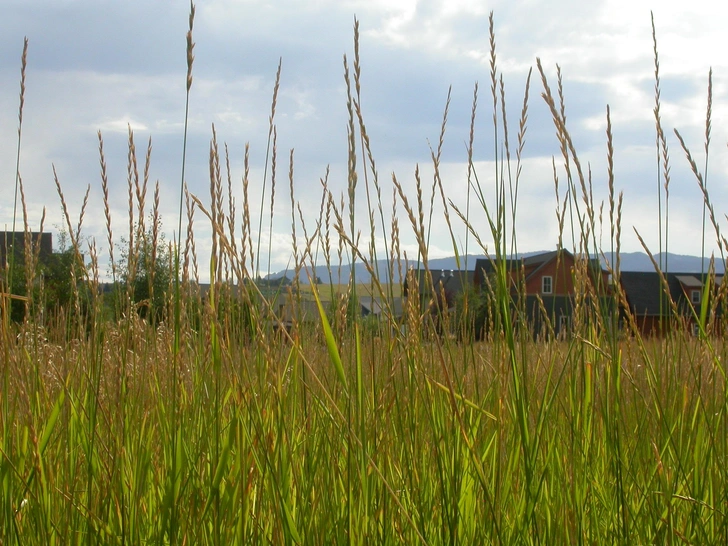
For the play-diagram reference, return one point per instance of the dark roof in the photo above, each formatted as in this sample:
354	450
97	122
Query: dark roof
543	258
486	266
453	280
538	261
644	288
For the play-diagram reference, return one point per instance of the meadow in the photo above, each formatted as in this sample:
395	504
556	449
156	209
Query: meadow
203	422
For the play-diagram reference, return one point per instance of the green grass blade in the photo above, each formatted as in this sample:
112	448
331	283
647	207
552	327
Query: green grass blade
330	341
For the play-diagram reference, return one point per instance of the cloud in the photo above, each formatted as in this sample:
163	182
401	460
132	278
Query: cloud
103	65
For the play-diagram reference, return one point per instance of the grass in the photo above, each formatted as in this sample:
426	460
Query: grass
217	428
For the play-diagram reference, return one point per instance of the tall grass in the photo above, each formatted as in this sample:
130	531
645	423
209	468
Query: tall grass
231	423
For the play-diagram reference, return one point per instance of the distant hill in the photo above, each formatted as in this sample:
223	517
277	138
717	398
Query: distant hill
629	261
678	263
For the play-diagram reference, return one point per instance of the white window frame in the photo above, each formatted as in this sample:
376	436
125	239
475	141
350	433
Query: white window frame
544	280
695	297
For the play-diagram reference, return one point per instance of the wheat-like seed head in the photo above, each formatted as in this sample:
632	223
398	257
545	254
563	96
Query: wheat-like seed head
523	122
619	232
493	70
417	228
82	214
107	206
420	231
708	114
660	273
94	267
147	165
247	226
155	236
73	235
293	210
661	139
436	162
190	47
395	248
23	66
504	117
231	211
132	250
701	185
214	173
275	96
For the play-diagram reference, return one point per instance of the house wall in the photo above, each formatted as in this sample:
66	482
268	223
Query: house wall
9	239
563	283
650	326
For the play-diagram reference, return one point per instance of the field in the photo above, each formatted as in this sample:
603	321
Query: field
188	418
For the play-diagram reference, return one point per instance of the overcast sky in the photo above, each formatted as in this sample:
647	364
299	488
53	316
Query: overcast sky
107	65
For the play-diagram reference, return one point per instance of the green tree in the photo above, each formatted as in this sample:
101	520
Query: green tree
55	280
145	273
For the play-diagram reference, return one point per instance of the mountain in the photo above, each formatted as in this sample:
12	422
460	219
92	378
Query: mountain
629	261
678	263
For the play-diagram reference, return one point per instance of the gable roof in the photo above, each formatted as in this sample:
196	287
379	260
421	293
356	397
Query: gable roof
534	263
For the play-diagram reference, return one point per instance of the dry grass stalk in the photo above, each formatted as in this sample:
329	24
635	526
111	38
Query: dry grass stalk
271	135
107	206
188	239
21	105
703	188
662	154
75	239
274	157
132	251
436	179
522	128
351	165
215	205
394	252
247	237
568	151
156	222
231	211
471	166
294	240
28	253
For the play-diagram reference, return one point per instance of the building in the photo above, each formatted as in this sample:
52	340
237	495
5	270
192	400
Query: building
10	240
448	282
651	304
545	286
381	308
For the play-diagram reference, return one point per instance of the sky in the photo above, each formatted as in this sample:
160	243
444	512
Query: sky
109	66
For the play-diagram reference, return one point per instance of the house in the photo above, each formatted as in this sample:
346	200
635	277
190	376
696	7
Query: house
450	282
648	302
436	292
380	308
545	286
10	240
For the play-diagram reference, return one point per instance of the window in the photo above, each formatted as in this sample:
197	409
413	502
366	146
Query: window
547	285
695	296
